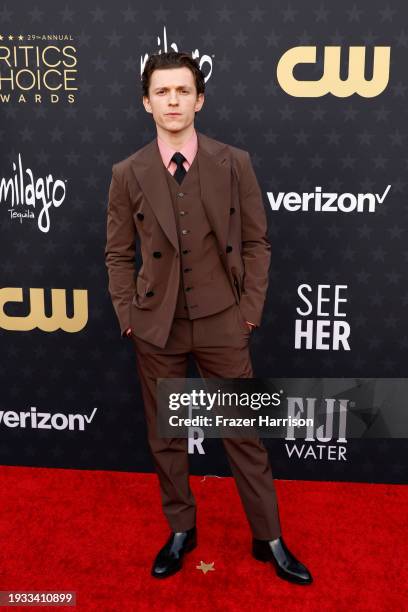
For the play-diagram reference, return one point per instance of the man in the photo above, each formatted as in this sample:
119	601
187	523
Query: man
197	209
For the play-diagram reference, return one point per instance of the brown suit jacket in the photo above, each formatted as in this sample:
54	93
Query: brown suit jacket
140	205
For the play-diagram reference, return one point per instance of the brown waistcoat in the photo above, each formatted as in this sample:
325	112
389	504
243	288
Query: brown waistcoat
204	286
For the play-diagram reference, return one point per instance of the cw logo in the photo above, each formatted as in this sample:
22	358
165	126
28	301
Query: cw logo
36	318
330	81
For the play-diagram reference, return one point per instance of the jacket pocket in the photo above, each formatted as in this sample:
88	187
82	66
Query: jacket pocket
141	286
237	281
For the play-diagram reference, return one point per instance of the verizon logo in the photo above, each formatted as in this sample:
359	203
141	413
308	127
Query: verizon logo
45	420
320	201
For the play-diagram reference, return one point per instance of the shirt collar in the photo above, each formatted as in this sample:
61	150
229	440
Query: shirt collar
189	149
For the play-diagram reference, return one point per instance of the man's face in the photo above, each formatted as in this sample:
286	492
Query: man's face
173	98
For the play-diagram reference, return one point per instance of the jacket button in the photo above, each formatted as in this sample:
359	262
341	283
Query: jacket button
140	216
189	288
157	254
185	251
184	232
232	210
229	248
150	294
188	269
180	194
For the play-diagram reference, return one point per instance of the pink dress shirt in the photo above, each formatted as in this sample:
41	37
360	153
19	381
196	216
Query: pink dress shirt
189	150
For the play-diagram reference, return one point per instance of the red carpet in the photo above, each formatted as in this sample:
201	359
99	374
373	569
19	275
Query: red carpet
97	533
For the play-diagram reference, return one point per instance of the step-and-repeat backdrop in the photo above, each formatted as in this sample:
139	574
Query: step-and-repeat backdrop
317	93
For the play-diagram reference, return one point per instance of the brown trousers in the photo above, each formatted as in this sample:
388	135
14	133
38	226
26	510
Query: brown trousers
219	345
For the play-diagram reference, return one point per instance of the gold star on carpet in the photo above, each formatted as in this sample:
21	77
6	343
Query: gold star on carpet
206	567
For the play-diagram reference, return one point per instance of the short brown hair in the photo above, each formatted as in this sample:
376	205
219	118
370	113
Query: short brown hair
172	59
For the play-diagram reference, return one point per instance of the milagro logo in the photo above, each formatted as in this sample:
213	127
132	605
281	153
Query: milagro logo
28	197
202	61
45	420
326	441
321	201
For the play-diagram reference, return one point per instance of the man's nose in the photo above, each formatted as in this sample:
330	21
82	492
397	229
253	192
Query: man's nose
173	99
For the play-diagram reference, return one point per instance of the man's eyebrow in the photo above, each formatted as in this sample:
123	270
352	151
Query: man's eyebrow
178	87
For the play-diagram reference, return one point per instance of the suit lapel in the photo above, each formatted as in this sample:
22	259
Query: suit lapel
214	166
148	168
215	181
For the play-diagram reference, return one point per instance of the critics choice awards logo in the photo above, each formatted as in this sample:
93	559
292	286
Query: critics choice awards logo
37	68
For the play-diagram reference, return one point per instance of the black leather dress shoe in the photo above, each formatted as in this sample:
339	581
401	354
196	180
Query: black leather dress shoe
286	565
170	557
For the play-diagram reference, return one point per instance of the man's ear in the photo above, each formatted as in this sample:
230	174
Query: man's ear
146	104
199	102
